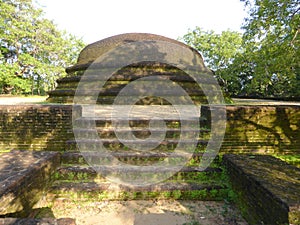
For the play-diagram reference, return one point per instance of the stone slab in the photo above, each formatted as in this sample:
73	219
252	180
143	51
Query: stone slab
24	177
268	188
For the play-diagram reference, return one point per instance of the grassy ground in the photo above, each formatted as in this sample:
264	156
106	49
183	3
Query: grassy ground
291	159
13	100
241	101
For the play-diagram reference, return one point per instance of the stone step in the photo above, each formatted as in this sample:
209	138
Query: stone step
128	77
67	96
150	169
31	221
141	129
98	191
24	177
93	78
106	119
139	132
114	91
86	123
166	141
117	145
81	173
67	86
141	68
78	158
140	112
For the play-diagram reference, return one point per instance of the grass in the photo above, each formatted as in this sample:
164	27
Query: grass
21	96
192	223
291	159
241	101
17	99
2	151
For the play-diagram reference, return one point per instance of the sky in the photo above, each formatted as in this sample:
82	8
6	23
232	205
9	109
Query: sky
93	20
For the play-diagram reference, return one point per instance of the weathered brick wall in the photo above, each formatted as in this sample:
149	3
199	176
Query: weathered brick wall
35	127
264	129
261	129
267	188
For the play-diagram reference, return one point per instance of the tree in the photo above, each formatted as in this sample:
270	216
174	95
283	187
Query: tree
264	61
271	41
33	52
219	52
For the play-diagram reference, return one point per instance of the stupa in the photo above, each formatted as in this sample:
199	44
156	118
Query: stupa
67	86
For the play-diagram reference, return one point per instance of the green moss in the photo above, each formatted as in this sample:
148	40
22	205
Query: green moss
2	151
291	159
45	212
192	223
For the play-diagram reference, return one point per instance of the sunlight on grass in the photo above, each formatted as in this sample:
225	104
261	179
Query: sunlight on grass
291	159
2	151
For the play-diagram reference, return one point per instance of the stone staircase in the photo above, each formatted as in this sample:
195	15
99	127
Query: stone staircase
100	166
154	153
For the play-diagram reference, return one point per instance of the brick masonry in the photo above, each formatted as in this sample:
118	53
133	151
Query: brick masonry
268	188
260	129
255	129
35	127
24	177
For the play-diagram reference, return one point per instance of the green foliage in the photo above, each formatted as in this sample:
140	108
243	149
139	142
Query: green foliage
218	50
33	52
271	42
264	61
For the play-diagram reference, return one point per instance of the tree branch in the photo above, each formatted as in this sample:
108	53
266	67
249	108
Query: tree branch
295	36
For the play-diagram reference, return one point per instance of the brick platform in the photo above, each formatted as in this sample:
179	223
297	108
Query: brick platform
268	188
24	177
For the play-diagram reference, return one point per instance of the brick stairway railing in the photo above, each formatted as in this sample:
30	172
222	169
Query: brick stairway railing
268	188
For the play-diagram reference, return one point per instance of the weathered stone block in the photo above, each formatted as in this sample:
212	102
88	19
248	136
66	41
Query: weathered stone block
48	221
268	188
24	177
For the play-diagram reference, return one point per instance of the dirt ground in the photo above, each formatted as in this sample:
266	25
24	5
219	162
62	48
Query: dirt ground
153	212
12	100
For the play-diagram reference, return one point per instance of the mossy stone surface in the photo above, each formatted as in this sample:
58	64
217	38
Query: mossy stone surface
24	177
268	188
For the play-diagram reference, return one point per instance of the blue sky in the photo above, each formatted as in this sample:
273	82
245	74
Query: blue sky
94	20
